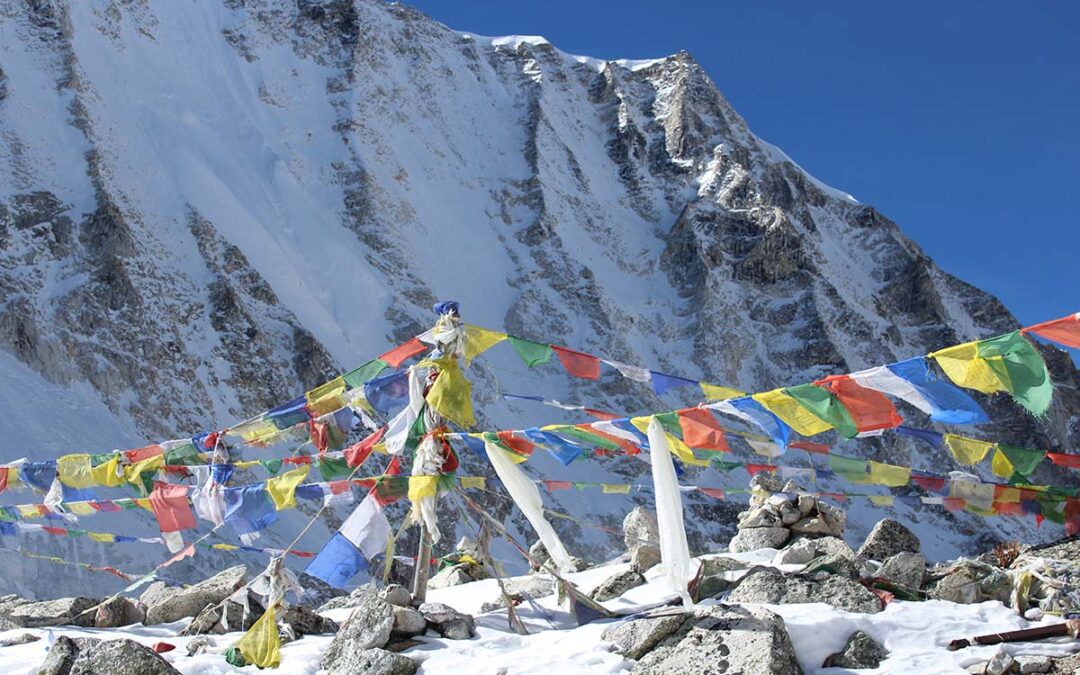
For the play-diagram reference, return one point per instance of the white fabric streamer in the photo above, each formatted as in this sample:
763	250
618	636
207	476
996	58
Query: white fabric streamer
674	551
428	461
527	497
397	432
884	380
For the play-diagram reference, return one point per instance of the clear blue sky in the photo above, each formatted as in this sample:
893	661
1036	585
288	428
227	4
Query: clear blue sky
959	120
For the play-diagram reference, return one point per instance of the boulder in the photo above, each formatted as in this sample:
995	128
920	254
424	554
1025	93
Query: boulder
766	482
539	557
520	590
861	651
316	591
178	603
373	661
640	528
713	639
20	639
358	597
304	621
7	624
712	579
765	584
368	627
10	602
455	575
1002	663
758	537
1034	664
835	564
968	583
118	612
54	613
395	594
617	584
224	617
407	622
644	558
797	552
761	516
833	545
447	621
97	657
887	539
822	520
905	568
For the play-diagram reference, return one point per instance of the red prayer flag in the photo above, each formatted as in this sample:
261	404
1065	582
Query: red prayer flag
1070	461
817	448
553	485
298	460
600	414
954	503
1064	331
716	493
869	409
578	364
139	454
1072	517
3	478
171	508
700	430
55	530
755	469
518	446
1009	508
628	447
397	355
929	483
358	453
319	435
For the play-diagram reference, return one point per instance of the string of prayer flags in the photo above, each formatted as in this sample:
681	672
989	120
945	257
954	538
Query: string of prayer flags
825	406
359	376
532	353
1006	363
577	363
663	383
1015	461
869	409
912	381
398	355
349	551
967	451
751	411
715	392
1064	331
561	449
479	340
788	409
282	489
700	430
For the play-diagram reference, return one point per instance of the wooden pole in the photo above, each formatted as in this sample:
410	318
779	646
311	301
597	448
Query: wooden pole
423	566
1041	633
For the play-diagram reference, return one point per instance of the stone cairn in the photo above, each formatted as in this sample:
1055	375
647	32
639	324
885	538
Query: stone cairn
779	512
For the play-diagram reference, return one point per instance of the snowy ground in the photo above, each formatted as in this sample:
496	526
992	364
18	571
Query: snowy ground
915	633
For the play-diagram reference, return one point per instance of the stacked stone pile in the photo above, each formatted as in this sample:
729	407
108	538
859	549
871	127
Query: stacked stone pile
779	512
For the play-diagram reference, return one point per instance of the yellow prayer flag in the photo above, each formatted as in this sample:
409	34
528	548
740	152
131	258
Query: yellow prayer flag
74	471
226	547
614	489
451	395
28	510
247	464
80	508
326	398
714	392
283	488
967	451
144	503
888	474
255	431
479	340
882	500
108	474
103	537
422	486
966	368
683	452
641	424
1007	495
261	644
469	482
788	409
1001	465
133	472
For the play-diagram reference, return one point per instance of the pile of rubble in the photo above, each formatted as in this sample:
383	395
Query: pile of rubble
779	512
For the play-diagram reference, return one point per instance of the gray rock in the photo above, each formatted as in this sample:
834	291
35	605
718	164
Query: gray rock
304	621
447	621
1001	664
617	584
861	651
887	539
103	657
374	661
833	545
368	627
357	597
54	613
797	552
224	618
178	603
640	528
714	639
806	504
906	569
822	520
407	622
119	611
772	586
20	639
539	557
316	591
7	624
757	538
395	594
10	602
970	583
1034	664
644	558
766	482
713	579
155	593
761	516
834	563
789	514
455	575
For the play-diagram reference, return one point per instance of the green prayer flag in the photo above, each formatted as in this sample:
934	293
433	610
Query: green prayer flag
271	465
1021	369
849	468
1024	461
825	407
532	353
185	455
332	468
670	422
358	376
101	458
721	465
591	439
389	488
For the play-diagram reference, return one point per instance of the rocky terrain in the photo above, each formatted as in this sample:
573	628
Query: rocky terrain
206	210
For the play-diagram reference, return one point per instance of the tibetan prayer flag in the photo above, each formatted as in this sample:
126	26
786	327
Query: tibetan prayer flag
825	406
1064	331
332	468
451	395
1021	370
764	448
791	412
473	482
261	645
751	411
913	382
422	486
4	477
1023	461
979	495
683	451
715	493
75	471
290	414
967	451
396	356
755	469
807	446
326	398
358	453
553	485
185	454
587	435
881	500
662	382
561	449
714	392
141	473
869	409
171	508
967	369
1070	461
614	489
635	373
249	509
388	391
532	353
700	430
849	468
1001	465
38	475
479	340
519	448
888	474
362	536
577	363
358	377
932	438
283	488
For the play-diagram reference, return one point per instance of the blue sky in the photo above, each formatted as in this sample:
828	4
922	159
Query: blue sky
958	120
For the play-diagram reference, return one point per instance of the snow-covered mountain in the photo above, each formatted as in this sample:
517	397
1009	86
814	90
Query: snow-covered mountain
208	207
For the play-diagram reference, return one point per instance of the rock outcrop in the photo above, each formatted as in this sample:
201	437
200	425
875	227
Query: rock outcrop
165	605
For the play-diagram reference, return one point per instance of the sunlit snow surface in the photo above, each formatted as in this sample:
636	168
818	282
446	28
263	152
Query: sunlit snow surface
915	633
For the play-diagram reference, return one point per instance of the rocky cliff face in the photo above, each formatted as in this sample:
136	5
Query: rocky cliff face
205	209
